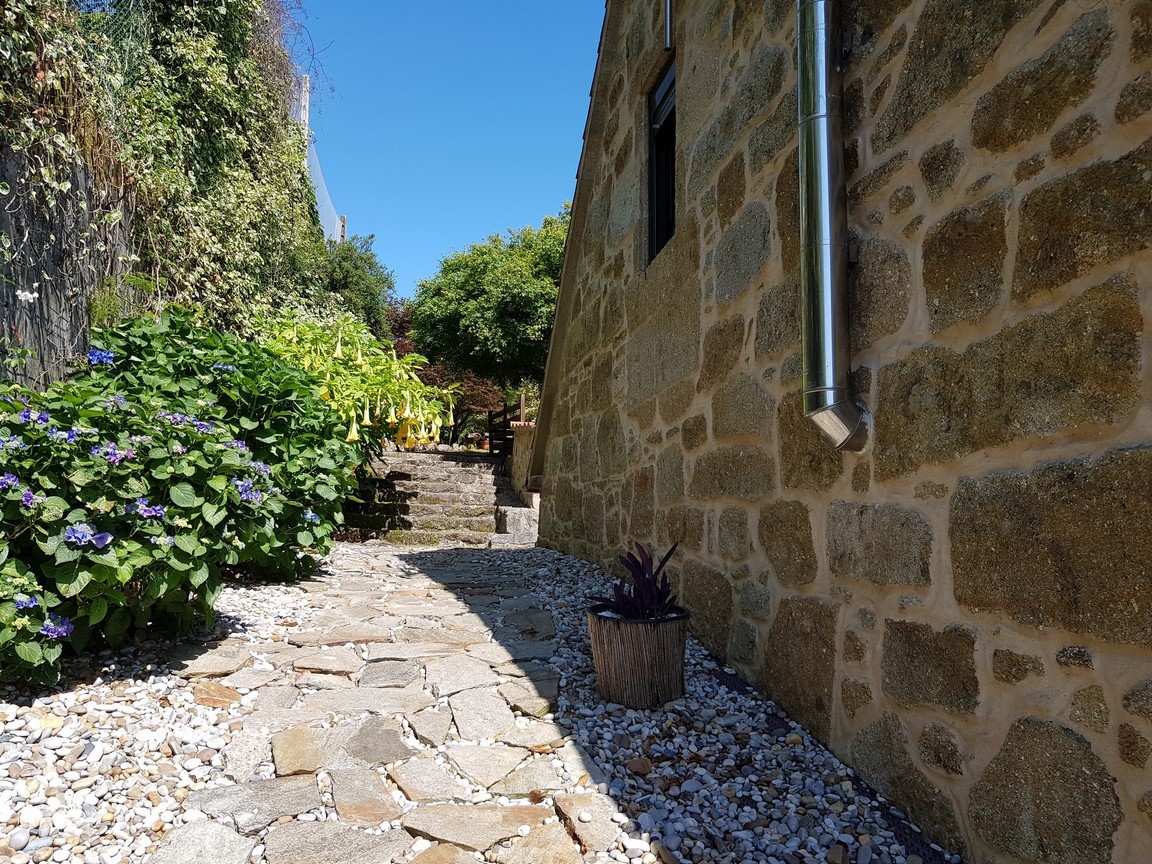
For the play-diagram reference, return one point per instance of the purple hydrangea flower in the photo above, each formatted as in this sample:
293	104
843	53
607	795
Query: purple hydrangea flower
145	510
71	435
261	468
25	416
13	443
114	456
23	603
203	426
28	500
141	439
309	516
100	357
83	534
179	448
9	481
246	490
42	418
225	367
56	627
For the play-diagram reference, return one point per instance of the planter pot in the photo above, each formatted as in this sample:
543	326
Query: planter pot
639	664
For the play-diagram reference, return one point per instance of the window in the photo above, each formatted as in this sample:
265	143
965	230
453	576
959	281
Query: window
662	162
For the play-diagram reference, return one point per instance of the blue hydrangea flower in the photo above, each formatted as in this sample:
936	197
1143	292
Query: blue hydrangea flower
261	468
309	516
236	445
9	481
246	490
179	448
15	442
141	439
23	603
25	416
56	627
168	541
29	500
100	357
224	367
83	534
42	418
145	510
114	455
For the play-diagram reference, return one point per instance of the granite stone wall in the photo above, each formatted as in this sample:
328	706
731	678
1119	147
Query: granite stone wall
963	612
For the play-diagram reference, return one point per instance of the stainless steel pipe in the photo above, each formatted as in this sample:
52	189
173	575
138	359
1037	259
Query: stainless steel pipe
828	399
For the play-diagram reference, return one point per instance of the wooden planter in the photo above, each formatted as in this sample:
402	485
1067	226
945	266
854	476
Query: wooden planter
639	664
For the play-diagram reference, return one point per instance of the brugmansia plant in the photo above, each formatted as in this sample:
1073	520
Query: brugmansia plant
379	395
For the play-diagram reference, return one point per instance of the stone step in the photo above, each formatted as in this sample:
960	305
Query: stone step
444	486
485	524
433	538
420	507
484	498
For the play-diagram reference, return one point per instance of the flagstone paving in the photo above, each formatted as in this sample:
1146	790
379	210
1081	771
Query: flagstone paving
435	706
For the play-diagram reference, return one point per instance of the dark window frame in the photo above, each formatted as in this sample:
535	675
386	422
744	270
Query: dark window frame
662	161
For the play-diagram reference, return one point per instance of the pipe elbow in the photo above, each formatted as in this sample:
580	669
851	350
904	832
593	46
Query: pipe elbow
843	424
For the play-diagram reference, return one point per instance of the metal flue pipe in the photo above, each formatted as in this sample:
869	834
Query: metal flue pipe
828	399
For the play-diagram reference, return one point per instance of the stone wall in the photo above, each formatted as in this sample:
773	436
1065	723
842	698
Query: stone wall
964	612
523	440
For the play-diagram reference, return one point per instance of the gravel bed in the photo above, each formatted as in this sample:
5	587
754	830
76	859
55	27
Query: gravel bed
98	771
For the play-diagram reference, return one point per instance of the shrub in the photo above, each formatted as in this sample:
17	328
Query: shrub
130	491
365	381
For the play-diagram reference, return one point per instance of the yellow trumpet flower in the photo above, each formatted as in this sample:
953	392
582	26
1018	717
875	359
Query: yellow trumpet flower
353	431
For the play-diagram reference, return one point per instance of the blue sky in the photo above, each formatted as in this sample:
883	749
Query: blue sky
449	121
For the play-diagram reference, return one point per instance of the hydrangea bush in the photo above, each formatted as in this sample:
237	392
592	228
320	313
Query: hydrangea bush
128	493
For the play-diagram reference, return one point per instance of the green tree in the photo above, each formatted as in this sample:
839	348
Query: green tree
353	272
489	309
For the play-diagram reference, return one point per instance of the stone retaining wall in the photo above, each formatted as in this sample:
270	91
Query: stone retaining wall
964	612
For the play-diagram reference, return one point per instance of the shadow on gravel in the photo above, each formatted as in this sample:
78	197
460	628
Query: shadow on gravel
524	628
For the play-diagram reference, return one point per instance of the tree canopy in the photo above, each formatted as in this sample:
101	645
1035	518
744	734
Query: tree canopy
489	309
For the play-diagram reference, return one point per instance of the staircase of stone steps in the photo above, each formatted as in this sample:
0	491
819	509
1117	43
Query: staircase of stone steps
428	498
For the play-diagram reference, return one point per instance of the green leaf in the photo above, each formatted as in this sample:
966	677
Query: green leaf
304	538
213	513
78	582
218	482
183	495
187	542
29	652
97	610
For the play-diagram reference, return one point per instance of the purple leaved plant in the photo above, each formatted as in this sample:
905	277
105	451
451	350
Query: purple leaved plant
647	595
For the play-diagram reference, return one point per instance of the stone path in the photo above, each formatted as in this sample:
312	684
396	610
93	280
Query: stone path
434	706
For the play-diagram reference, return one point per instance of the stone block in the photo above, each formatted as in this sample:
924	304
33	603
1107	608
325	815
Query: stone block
778	318
788	211
800	661
774	133
939	747
1079	365
881	543
1134	748
742	642
1090	708
876	180
854	695
642	513
722	345
1046	796
681	525
742	407
203	842
675	400
742	471
708	596
610	446
855	647
964	256
1074	656
670	475
1074	136
865	20
694	432
1135	99
755	601
732	533
940	166
806	461
1103	207
731	188
1012	668
950	46
880	754
880	286
1034	95
1076	532
785	534
923	666
1138	700
1141	17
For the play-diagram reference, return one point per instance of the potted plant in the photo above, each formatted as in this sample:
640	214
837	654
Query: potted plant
638	636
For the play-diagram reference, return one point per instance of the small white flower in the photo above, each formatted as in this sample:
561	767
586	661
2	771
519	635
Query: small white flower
26	296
